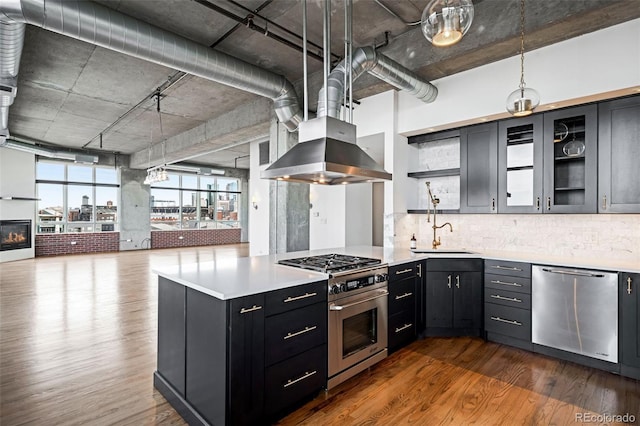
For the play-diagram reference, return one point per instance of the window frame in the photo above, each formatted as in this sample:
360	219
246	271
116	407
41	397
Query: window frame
65	223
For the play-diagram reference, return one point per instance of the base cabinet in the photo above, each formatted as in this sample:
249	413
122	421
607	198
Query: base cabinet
629	298
453	297
507	303
245	361
404	289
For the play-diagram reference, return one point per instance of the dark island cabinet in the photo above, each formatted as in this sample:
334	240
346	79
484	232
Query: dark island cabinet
453	297
619	154
479	168
404	306
629	324
244	361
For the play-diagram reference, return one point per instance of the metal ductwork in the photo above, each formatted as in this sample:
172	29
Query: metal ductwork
78	157
99	25
327	152
366	59
11	42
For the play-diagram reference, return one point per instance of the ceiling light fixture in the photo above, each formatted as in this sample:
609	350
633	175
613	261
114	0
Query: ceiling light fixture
444	22
522	101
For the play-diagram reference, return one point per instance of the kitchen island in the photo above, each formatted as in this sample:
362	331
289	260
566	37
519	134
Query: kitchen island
225	353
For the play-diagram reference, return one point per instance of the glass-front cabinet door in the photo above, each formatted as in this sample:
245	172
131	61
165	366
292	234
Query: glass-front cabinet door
520	165
570	160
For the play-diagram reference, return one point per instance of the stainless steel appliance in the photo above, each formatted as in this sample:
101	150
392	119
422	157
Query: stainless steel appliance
357	311
575	310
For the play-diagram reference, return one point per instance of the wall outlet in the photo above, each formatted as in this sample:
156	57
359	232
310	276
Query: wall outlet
181	237
73	243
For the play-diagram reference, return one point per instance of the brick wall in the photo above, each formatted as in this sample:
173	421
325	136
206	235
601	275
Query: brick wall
194	237
90	242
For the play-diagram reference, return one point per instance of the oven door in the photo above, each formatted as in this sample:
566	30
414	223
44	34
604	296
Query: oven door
357	329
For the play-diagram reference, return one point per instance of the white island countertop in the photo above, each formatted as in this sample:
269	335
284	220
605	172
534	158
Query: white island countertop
230	278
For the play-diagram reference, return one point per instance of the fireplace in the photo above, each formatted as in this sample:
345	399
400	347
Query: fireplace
15	234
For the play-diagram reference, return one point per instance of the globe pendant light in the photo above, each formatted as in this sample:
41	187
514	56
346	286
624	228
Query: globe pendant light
523	101
444	22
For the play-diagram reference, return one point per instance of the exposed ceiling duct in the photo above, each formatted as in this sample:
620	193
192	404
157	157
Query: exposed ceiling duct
99	25
78	157
11	43
366	59
327	152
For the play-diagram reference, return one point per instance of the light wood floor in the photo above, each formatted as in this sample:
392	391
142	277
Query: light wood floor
78	347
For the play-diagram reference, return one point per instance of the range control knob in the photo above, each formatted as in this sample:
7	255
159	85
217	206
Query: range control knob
343	287
334	289
382	277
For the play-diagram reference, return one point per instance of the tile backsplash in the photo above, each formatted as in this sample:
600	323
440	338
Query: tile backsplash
605	236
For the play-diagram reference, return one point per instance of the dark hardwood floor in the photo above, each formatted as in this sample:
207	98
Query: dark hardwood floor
78	347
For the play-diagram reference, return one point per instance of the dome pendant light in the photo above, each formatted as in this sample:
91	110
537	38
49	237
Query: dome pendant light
444	22
523	101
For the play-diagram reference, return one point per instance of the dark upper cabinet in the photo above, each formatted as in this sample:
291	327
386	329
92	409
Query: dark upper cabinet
630	324
479	168
520	165
619	156
571	160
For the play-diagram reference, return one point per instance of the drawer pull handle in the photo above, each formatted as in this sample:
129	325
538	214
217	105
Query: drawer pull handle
306	376
251	309
510	299
297	333
507	321
404	271
628	285
304	296
504	283
402	296
404	327
508	268
578	273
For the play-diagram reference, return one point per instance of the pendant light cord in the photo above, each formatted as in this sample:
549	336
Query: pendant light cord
522	85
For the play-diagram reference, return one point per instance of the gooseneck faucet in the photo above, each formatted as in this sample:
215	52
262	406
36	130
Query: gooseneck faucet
435	201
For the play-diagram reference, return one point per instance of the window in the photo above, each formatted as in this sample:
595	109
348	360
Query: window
76	198
195	202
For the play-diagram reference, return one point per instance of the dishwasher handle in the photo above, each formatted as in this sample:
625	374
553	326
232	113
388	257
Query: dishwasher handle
569	272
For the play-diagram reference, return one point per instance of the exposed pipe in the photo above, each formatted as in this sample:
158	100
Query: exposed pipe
366	59
11	43
99	25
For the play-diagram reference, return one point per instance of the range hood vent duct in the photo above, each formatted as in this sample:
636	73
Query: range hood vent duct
327	152
108	28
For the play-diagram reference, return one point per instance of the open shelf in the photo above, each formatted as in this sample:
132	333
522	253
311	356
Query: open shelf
435	173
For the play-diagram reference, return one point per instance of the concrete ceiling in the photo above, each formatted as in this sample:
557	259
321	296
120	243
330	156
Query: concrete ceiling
71	92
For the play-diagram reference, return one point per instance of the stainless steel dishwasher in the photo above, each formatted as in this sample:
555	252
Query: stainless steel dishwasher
575	310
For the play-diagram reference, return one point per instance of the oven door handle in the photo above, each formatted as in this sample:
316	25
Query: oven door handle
341	307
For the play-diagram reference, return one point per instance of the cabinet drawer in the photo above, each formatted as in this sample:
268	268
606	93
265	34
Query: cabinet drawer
402	271
509	321
402	295
279	301
503	267
402	329
458	265
507	298
509	283
295	379
294	332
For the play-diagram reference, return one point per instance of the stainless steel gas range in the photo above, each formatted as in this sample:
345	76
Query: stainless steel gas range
357	311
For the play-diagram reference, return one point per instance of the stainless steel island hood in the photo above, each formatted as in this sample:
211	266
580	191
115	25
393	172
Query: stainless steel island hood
326	154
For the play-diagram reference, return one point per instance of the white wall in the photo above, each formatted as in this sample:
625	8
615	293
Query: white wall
17	178
598	62
258	193
327	222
